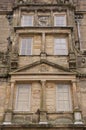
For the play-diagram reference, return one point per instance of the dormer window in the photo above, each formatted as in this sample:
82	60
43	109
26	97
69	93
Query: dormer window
60	20
27	20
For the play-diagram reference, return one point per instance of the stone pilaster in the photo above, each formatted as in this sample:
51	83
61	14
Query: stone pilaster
43	47
77	112
8	112
43	43
75	98
43	118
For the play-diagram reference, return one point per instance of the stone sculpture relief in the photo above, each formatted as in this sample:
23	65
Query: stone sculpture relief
43	20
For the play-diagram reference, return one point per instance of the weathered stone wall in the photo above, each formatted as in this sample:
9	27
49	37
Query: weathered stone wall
4	33
51	97
82	97
82	31
82	5
5	90
3	98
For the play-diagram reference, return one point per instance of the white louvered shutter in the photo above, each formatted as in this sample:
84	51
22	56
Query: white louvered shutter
63	99
27	20
60	20
60	46
23	97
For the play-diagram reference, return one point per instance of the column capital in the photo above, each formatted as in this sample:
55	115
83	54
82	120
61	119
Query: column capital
74	81
43	82
12	82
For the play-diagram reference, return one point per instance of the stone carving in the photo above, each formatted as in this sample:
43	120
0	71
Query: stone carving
43	20
10	18
43	68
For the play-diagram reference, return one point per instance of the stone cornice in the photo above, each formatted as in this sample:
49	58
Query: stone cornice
35	29
43	6
42	126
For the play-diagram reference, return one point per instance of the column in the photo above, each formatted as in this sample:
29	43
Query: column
43	118
43	96
72	58
8	113
77	112
70	42
75	98
52	18
11	96
79	34
43	48
36	18
43	43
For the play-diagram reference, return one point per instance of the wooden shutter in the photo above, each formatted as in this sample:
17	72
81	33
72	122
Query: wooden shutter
23	97
27	20
63	100
60	20
60	46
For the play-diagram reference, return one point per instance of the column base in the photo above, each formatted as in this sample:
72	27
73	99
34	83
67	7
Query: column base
7	123
43	123
78	117
7	117
78	123
43	117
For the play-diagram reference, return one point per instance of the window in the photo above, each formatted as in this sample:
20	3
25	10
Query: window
60	20
27	20
23	97
60	46
63	99
26	46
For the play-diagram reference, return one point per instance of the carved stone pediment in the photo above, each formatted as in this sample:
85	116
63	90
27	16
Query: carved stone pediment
42	66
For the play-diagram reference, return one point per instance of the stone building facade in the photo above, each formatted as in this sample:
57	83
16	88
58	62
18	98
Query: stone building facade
42	64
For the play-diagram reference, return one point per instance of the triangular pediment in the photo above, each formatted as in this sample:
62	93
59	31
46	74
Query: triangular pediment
42	66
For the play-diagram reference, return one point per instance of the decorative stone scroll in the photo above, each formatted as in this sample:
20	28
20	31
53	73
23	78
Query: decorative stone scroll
43	20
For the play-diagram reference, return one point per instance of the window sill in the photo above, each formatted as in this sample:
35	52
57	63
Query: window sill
22	112
28	55
46	55
63	112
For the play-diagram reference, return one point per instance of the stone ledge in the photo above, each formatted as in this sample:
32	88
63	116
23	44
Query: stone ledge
42	126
